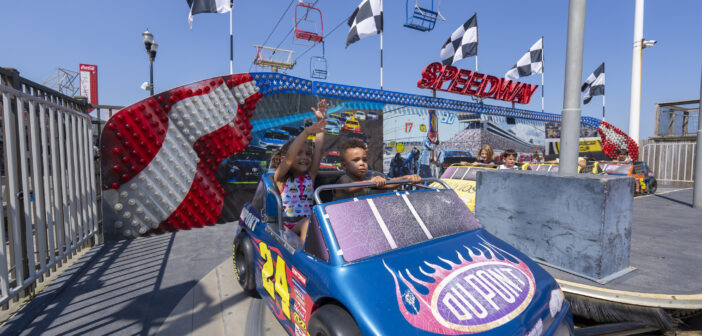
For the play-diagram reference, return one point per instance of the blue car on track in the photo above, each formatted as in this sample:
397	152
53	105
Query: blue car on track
274	139
400	263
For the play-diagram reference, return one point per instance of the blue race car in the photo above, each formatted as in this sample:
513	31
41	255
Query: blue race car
399	263
274	139
333	126
245	167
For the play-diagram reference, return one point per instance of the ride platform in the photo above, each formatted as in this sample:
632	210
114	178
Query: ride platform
665	285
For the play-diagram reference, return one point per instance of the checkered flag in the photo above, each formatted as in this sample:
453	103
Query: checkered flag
366	20
463	43
595	84
531	63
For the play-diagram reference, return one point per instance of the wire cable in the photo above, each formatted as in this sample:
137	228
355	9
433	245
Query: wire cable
325	37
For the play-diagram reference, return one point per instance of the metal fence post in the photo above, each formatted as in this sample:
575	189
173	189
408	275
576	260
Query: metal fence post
697	191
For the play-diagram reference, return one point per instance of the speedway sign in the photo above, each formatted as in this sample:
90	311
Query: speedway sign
471	83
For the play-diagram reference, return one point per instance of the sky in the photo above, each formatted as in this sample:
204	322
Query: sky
36	40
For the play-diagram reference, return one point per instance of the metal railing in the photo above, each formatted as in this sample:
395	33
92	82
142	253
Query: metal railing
48	178
672	162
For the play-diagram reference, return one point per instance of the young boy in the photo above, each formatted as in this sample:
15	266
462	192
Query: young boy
510	156
355	162
623	155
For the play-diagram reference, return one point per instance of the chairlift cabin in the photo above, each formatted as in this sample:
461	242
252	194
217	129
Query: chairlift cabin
318	67
308	23
274	58
422	18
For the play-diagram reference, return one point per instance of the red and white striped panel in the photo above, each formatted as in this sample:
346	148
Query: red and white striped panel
159	155
614	139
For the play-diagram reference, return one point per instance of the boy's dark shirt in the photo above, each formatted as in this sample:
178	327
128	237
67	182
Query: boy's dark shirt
339	195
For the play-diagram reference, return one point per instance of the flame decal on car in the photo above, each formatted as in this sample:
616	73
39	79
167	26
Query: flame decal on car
480	292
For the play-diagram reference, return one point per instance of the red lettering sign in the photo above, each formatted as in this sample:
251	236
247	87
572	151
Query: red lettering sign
466	82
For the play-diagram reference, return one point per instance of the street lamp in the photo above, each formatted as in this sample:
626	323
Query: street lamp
151	48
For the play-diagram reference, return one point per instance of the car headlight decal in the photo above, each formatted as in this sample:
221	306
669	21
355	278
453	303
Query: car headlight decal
555	303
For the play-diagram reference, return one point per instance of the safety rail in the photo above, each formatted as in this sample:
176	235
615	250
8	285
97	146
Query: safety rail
317	191
49	187
672	162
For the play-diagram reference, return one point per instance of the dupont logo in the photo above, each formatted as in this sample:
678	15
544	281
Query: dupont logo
481	296
469	294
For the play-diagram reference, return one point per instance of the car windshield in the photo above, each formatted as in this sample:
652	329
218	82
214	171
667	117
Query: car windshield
609	168
252	157
375	225
457	153
352	122
333	159
545	168
461	173
276	135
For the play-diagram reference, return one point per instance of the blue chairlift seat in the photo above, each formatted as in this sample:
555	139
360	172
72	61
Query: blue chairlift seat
420	18
318	67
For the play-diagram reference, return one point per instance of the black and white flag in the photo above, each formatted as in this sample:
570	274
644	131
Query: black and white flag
531	63
207	6
463	43
366	20
595	84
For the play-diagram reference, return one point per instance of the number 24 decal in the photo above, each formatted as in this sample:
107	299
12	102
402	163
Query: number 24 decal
280	285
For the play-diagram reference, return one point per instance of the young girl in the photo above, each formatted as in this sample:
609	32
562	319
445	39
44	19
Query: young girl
485	155
297	166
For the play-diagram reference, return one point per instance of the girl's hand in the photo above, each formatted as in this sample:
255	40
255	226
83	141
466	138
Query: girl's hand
321	110
317	127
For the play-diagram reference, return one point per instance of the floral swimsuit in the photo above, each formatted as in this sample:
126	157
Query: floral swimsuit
297	199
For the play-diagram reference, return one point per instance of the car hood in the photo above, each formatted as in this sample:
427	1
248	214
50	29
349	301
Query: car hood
462	284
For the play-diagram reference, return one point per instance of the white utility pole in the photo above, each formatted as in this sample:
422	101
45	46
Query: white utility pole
635	103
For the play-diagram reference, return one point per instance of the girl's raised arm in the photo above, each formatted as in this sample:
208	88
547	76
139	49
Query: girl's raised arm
295	147
321	113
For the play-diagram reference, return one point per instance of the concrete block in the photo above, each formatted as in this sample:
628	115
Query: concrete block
580	224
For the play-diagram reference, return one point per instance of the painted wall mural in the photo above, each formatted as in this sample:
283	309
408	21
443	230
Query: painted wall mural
191	156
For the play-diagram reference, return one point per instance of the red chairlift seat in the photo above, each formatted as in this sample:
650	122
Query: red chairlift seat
301	19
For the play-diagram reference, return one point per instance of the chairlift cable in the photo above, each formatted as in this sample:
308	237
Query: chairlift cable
325	37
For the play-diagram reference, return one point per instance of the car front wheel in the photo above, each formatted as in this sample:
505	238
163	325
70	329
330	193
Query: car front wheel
244	264
332	320
652	186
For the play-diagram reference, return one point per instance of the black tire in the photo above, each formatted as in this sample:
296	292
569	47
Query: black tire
332	320
652	186
243	257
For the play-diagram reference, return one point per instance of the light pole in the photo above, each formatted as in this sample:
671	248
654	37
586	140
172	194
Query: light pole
639	44
151	48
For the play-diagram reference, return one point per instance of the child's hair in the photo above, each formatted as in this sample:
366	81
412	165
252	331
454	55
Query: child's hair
351	143
510	152
488	149
282	151
623	151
